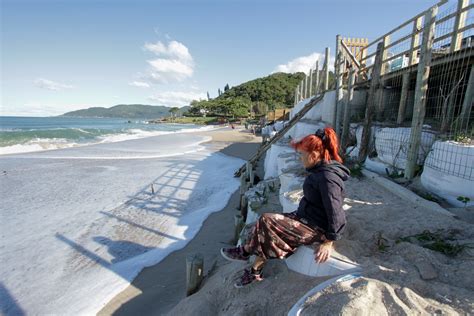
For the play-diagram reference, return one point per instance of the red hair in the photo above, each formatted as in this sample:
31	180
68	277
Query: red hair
327	148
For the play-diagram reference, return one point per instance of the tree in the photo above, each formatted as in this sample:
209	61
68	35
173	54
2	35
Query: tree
208	97
173	111
226	88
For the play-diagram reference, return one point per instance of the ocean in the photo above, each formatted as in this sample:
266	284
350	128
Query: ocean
79	222
27	134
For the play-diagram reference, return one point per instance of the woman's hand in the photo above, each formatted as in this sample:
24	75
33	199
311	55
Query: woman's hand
323	251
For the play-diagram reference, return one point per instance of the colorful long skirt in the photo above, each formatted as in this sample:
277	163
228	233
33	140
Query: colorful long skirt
279	235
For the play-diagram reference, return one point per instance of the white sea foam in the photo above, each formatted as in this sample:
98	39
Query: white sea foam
76	232
43	144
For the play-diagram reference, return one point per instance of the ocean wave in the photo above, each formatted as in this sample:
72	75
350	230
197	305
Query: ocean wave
28	141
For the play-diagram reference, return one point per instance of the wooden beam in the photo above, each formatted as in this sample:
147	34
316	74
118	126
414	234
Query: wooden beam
347	110
459	22
415	41
403	98
369	111
336	122
316	88
326	70
280	134
420	92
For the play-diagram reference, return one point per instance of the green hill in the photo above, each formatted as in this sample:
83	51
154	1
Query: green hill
126	111
258	95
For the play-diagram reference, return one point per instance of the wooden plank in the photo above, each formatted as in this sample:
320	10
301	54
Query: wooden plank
347	110
316	88
459	22
420	92
369	111
282	132
326	70
440	3
385	65
350	54
336	122
415	41
403	98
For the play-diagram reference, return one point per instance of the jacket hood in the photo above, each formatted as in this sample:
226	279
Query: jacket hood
332	166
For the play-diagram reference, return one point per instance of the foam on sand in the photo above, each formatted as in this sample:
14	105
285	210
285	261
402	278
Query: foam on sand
79	224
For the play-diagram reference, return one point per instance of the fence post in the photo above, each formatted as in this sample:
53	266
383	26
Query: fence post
421	88
468	100
326	70
347	109
301	90
403	97
316	88
459	22
336	122
369	110
415	40
310	82
194	273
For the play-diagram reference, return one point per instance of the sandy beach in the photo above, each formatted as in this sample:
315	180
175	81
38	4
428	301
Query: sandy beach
399	275
157	289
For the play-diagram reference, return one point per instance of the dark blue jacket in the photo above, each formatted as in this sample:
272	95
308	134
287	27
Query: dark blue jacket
323	197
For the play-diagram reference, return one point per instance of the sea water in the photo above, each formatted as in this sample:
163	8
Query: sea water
79	223
26	134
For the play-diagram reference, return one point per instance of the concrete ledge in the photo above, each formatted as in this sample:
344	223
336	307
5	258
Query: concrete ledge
406	194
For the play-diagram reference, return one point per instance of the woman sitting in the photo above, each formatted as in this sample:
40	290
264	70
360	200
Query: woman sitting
319	218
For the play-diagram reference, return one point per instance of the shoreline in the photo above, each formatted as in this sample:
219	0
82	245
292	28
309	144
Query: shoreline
157	289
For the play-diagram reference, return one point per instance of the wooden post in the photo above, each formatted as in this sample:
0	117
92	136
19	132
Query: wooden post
301	90
326	70
194	272
468	101
250	173
347	109
385	66
310	82
403	97
296	96
459	22
415	41
369	110
339	94
316	88
305	91
421	88
239	224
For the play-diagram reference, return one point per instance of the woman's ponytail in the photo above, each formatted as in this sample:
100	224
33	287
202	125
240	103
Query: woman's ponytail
331	145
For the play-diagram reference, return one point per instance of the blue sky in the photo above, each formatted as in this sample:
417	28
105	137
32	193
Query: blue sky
58	56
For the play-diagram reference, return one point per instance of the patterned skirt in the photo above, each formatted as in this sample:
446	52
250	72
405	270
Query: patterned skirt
279	235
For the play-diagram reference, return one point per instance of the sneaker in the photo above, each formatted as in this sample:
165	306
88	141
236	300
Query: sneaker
247	278
234	254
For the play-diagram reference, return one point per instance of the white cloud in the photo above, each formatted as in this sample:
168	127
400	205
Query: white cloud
51	85
174	62
304	63
139	84
176	98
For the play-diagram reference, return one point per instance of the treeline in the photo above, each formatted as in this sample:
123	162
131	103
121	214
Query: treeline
258	96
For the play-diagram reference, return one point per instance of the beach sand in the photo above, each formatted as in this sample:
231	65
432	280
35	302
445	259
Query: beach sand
399	276
157	289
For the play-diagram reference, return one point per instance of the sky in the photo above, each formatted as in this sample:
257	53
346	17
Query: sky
64	55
